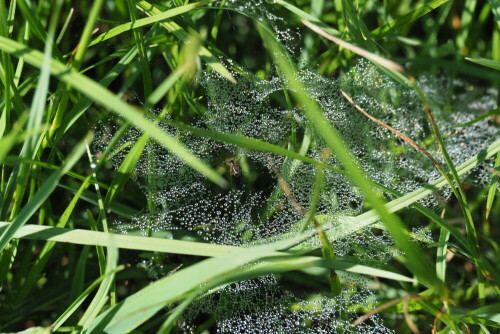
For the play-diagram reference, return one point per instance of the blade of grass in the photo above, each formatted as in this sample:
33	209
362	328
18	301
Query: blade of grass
490	113
78	282
362	52
493	188
65	26
215	28
170	322
485	62
141	50
77	111
289	263
81	298
85	237
465	24
441	254
101	296
306	16
406	19
101	256
495	8
34	22
159	17
83	43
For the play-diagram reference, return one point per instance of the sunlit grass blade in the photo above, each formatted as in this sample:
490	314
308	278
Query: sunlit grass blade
99	94
101	296
86	237
147	21
493	188
495	8
75	305
485	62
306	16
289	263
394	25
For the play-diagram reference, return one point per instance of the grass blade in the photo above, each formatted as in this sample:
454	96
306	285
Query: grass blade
159	17
485	62
406	19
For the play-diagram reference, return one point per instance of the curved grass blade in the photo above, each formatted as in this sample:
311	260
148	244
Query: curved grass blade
283	264
485	62
490	113
106	284
408	18
493	188
161	16
306	16
86	237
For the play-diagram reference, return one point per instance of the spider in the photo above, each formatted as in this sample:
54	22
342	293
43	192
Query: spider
234	167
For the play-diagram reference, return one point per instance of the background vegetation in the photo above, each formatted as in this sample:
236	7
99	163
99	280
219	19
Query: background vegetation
152	80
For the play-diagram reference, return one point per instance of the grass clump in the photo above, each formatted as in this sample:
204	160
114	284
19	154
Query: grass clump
276	166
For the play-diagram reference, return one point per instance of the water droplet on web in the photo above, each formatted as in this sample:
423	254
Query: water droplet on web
183	201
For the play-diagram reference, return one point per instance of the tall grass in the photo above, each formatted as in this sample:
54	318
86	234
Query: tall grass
69	67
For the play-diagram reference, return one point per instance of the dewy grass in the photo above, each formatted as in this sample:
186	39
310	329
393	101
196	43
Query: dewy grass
180	95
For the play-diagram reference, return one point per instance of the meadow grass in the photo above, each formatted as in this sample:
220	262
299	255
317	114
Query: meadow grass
69	67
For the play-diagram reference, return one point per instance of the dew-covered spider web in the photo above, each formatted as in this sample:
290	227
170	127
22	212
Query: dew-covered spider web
255	209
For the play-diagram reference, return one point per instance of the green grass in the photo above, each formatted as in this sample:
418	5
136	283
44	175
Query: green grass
63	82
